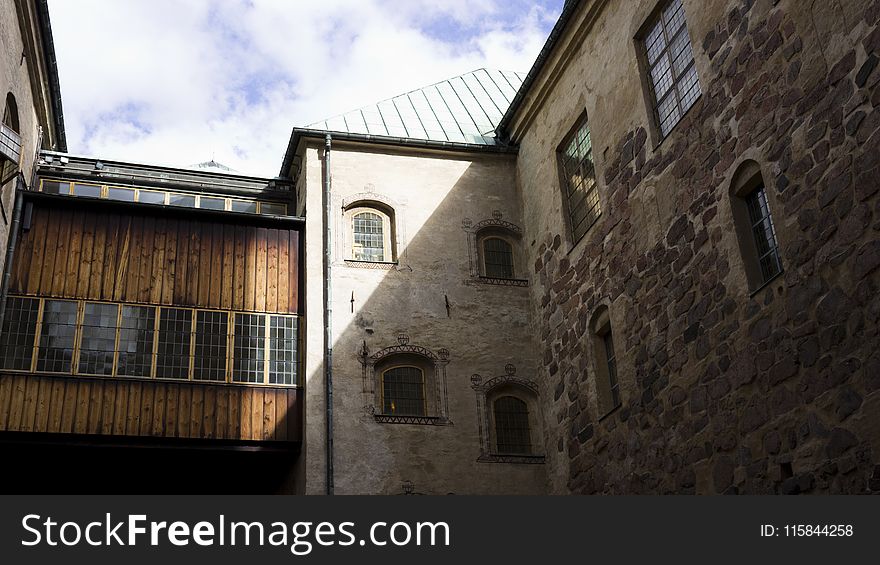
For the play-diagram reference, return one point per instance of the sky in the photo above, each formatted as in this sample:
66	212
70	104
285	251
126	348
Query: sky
179	82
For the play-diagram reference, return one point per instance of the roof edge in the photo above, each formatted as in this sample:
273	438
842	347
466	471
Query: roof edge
52	71
300	133
568	11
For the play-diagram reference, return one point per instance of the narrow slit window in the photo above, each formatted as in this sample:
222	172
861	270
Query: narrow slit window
57	337
498	258
19	333
98	340
249	353
173	354
512	434
580	191
283	350
136	337
671	69
403	390
764	234
611	363
211	339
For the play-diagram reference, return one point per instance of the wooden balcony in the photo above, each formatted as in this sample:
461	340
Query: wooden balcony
139	408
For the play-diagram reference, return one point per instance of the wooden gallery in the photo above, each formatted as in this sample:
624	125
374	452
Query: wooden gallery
157	311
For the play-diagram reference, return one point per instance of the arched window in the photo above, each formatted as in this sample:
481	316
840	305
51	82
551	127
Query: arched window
371	234
10	114
755	230
512	433
497	258
403	391
607	385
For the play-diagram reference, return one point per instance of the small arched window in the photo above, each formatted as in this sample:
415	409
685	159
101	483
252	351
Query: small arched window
755	229
497	258
10	114
607	385
512	430
403	391
371	234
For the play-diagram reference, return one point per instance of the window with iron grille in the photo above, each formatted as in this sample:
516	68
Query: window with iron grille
369	237
57	337
136	337
175	336
512	434
671	69
403	391
498	258
98	339
764	234
212	329
19	332
611	362
579	181
249	349
282	350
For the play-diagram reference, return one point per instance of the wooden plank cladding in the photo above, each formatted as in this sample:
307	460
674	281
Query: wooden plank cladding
74	252
118	407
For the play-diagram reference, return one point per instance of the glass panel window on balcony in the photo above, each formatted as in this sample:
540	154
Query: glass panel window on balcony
57	337
151	197
56	187
212	203
98	339
87	190
175	336
282	350
211	341
136	337
19	332
183	200
248	354
121	194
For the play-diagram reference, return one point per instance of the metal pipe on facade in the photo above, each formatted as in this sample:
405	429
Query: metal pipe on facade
328	314
10	248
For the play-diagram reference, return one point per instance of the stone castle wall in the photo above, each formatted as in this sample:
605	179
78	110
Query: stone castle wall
723	391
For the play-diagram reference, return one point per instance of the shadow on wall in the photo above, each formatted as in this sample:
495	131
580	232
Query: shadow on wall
427	317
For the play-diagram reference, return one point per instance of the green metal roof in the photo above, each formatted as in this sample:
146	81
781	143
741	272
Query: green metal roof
463	109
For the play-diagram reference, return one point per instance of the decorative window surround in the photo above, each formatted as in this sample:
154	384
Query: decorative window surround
495	227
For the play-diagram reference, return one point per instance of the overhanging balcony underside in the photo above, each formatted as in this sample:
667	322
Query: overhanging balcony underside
138	408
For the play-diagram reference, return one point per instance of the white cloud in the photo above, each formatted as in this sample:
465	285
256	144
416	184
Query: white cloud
174	82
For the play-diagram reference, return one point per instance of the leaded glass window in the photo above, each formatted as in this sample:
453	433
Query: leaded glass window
282	350
175	333
672	73
136	337
764	234
249	350
512	433
57	337
98	341
498	258
403	391
369	237
19	332
579	181
212	330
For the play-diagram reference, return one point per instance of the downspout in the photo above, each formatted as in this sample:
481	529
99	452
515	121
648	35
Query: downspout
10	248
328	315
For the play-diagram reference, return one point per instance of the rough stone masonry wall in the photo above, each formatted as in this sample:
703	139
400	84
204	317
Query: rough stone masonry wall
726	392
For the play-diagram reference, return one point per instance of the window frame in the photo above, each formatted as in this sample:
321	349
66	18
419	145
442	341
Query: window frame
646	68
605	365
488	234
389	250
424	389
748	180
566	191
487	393
493	419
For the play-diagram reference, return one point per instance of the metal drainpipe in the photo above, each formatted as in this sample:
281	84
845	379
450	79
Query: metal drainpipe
10	248
328	314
